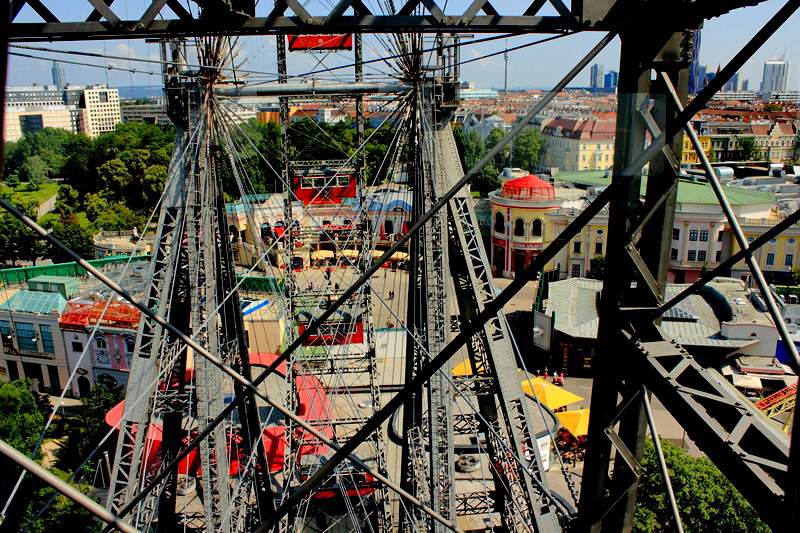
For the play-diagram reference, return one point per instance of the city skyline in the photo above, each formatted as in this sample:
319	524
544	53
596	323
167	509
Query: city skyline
536	66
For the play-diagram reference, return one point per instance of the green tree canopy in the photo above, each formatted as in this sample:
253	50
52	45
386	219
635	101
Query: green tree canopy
85	433
35	171
597	267
748	149
472	149
17	241
494	137
69	231
119	217
528	147
21	419
706	499
67	200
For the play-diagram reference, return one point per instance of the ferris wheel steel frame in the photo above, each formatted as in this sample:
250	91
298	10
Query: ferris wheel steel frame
662	364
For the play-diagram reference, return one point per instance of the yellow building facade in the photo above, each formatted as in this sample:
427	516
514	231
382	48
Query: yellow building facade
688	155
572	145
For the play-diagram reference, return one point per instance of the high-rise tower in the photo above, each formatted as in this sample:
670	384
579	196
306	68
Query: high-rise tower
59	78
776	73
596	76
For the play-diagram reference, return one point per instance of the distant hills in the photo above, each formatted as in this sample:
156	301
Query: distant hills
132	92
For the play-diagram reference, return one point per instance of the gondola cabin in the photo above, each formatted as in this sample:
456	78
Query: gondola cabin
324	185
320	43
340	328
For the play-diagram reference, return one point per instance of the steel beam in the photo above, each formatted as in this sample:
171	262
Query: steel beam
302	89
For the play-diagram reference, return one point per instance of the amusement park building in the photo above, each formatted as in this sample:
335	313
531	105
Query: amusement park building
520	228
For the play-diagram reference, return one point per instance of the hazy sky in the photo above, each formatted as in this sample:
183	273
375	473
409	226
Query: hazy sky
537	66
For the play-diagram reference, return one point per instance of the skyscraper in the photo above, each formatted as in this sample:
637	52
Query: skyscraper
611	79
733	84
59	79
776	74
695	79
596	76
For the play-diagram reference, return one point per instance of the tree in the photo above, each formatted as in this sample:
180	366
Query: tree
17	241
21	418
748	149
486	181
120	217
528	147
96	205
597	267
69	231
35	171
85	433
115	180
772	107
474	149
494	137
706	499
13	180
67	200
711	154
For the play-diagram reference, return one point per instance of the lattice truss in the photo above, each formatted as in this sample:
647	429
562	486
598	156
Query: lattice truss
350	448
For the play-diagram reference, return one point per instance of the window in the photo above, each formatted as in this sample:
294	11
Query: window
719	256
26	336
583	157
789	241
77	346
692	234
673	254
519	227
576	271
100	343
576	247
47	339
788	260
5	327
701	255
719	237
499	223
691	255
773	240
676	234
130	344
703	235
598	247
770	259
536	228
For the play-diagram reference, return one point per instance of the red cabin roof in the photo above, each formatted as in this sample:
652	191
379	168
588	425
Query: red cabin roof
529	187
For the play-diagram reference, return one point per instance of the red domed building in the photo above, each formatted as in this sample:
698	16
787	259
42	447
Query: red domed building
519	225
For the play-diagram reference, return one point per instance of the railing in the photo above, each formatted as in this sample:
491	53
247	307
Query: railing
781	401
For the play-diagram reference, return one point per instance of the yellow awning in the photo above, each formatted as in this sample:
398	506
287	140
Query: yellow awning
551	395
577	421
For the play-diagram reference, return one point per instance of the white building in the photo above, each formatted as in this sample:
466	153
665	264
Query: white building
101	110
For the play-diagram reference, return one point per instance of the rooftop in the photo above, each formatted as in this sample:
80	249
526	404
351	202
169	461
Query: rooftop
34	302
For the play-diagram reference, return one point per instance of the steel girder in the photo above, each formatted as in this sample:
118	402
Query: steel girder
751	452
221	17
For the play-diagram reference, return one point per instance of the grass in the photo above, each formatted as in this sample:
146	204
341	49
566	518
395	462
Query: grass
20	195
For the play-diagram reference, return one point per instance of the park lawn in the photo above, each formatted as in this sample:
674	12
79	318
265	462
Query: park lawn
20	195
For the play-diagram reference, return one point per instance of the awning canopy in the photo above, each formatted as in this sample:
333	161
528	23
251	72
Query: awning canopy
747	382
